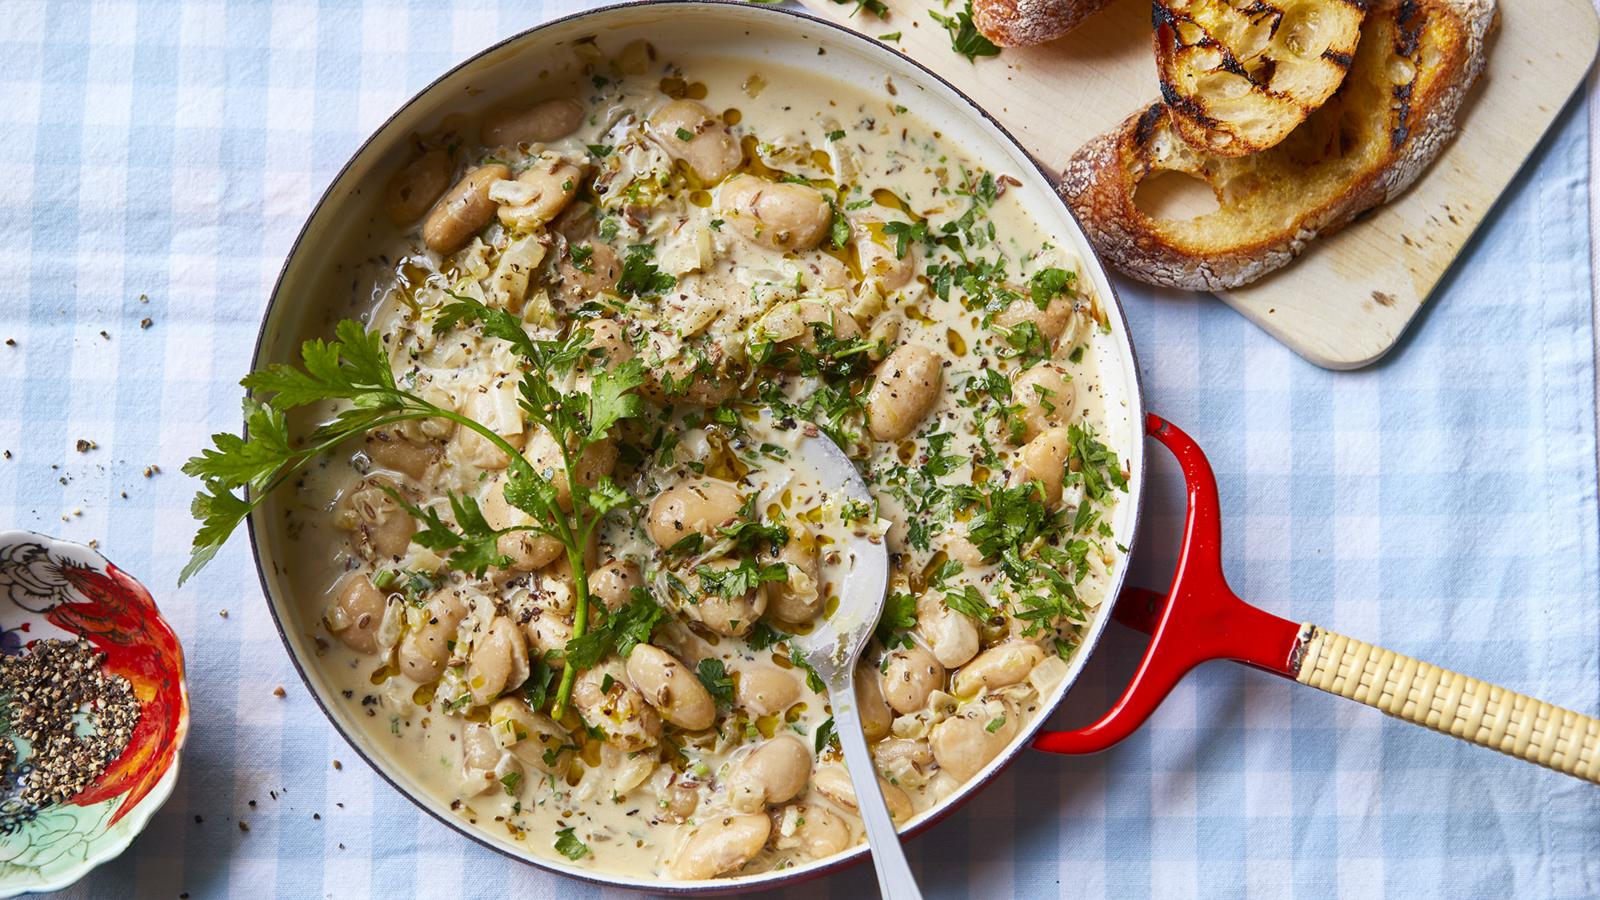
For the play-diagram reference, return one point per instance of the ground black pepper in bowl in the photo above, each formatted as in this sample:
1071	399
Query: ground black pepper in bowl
74	719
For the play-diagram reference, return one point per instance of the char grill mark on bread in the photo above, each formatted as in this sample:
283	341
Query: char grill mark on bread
1397	110
1241	74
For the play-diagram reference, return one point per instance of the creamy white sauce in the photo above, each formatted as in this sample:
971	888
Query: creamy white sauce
614	802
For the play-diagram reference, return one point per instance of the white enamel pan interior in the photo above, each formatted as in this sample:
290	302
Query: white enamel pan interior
318	286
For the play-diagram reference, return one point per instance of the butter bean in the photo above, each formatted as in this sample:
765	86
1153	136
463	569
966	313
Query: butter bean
689	132
999	666
799	598
904	389
779	215
720	846
361	608
613	583
499	660
671	687
463	210
545	121
727	616
531	736
423	652
951	636
390	450
697	506
590	268
413	190
909	676
774	772
538	195
1047	397
834	783
621	712
528	551
763	690
382	528
595	462
876	717
966	742
1044	459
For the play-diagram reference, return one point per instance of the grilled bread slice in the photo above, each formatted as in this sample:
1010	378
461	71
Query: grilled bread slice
1395	112
1023	23
1239	75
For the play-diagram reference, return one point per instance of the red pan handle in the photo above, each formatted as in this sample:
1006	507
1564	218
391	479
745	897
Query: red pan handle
1199	618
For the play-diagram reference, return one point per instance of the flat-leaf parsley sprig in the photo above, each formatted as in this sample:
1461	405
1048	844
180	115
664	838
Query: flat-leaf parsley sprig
354	368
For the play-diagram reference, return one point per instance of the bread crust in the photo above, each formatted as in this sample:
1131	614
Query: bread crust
1230	247
1023	23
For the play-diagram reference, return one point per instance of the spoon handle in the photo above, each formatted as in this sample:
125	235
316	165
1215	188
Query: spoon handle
895	881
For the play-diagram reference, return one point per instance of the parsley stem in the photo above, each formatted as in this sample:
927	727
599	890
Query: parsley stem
564	532
580	579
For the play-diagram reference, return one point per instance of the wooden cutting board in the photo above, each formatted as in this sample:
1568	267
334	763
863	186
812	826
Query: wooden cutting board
1348	299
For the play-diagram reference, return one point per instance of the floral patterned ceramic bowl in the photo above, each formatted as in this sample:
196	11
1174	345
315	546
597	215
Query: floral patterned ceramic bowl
58	589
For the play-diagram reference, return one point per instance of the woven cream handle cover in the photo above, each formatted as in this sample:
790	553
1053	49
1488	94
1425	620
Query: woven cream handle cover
1454	704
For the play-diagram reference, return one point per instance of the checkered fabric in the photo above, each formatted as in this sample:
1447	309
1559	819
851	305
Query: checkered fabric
156	160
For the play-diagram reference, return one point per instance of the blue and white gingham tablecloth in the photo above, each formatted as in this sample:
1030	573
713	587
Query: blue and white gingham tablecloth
156	159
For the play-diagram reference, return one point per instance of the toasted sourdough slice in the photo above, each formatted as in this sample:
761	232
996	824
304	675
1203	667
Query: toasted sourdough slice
1396	111
1239	75
1023	23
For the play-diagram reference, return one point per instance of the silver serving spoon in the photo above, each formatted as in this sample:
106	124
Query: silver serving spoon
832	649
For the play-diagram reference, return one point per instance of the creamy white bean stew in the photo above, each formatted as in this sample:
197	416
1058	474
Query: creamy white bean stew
705	261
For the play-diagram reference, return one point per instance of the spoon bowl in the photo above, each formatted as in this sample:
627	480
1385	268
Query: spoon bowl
832	649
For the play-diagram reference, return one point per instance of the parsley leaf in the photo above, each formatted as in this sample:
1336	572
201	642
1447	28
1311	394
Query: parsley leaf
627	628
813	680
568	845
736	581
839	228
1011	518
904	233
764	636
876	7
825	735
510	781
714	675
640	277
899	616
965	38
1048	284
969	601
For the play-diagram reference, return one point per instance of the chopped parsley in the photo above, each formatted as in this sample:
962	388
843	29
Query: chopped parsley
568	845
825	736
764	636
626	628
640	277
899	617
1048	284
736	581
876	7
965	38
510	781
582	256
904	233
714	675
